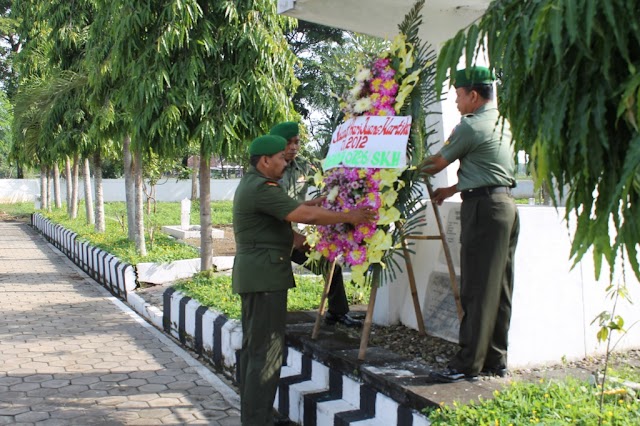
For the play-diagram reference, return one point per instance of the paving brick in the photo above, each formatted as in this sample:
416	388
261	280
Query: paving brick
154	413
26	387
12	411
55	384
10	380
165	402
32	416
132	404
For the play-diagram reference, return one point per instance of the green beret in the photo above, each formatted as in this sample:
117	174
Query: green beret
472	76
287	129
267	145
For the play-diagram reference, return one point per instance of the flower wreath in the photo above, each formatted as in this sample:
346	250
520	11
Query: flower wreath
381	89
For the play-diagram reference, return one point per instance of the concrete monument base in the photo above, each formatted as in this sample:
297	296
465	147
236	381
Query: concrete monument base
192	231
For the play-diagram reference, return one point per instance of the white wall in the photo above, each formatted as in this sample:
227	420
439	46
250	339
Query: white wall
18	190
553	305
24	190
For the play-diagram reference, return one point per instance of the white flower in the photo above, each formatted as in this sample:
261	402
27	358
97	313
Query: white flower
362	105
333	194
354	93
363	74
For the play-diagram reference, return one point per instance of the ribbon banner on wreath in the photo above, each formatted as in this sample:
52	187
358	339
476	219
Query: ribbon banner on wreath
370	142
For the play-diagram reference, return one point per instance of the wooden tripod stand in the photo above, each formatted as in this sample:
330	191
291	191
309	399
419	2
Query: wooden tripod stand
366	331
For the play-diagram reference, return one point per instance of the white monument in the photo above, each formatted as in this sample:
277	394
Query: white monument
187	231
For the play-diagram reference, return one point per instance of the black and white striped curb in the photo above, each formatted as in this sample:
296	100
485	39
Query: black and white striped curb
309	392
115	275
206	331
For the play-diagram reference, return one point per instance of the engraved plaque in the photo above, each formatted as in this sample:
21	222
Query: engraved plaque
441	315
452	235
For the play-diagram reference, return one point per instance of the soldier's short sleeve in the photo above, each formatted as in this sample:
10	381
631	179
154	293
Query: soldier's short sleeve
271	199
459	143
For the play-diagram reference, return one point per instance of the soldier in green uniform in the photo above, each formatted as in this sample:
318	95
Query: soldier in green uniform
489	225
338	305
262	274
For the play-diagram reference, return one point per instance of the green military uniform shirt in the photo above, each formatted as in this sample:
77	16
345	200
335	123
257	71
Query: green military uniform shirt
264	238
483	146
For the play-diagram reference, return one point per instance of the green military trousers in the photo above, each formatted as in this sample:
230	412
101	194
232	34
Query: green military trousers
263	327
489	235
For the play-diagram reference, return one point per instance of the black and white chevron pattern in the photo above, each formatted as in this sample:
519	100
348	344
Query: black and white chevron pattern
309	392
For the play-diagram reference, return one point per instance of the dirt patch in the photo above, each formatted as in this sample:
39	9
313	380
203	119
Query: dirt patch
8	217
225	246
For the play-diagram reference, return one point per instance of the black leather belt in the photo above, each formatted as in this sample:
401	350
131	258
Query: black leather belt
485	191
261	245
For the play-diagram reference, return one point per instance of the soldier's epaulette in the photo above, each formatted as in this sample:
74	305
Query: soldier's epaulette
271	183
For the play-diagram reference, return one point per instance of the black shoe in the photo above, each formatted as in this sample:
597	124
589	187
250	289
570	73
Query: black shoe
346	320
500	371
451	375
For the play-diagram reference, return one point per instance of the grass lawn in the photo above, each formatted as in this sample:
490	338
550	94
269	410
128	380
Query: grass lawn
214	290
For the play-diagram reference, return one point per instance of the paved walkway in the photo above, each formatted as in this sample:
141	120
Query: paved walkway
70	354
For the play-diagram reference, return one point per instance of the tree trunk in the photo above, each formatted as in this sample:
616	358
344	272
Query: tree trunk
194	182
68	181
223	171
56	186
97	180
88	198
130	190
49	195
141	246
74	187
43	187
206	241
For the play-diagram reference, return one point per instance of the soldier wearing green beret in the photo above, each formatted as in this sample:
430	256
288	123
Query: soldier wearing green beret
262	274
338	305
489	225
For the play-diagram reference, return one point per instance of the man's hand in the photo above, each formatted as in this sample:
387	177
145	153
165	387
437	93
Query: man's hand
441	194
315	202
361	215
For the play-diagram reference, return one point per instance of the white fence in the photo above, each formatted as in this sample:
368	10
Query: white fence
26	190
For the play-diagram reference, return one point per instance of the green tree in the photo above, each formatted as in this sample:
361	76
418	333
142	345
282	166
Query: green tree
54	35
10	44
219	73
570	88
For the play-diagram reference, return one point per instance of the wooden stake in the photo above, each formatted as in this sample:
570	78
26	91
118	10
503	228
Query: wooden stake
447	253
366	330
412	285
323	299
423	237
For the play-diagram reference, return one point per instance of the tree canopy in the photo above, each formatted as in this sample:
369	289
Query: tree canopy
570	88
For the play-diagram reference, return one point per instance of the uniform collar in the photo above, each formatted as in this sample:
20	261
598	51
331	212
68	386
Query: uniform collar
486	107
